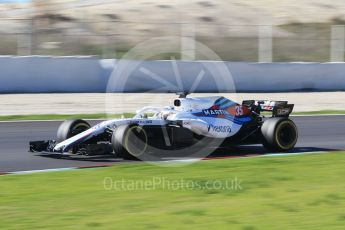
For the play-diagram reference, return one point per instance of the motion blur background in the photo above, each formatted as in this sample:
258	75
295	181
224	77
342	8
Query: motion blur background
294	30
61	55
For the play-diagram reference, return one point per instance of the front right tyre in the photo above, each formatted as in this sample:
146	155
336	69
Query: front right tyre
70	128
279	134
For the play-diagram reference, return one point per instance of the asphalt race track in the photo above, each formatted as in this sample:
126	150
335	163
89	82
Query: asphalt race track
317	133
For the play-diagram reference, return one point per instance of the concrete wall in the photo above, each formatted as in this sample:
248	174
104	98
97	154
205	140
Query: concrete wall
51	74
37	74
272	77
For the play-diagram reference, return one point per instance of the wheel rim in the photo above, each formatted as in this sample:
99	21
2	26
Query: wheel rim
136	141
286	135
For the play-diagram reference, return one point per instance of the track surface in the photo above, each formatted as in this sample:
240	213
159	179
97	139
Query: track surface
319	133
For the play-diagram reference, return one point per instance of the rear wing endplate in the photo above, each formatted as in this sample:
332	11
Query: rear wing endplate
278	108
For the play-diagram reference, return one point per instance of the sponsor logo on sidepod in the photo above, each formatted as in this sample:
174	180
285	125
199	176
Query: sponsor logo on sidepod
220	128
215	112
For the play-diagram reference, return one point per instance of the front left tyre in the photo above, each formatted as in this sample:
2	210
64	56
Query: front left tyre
130	142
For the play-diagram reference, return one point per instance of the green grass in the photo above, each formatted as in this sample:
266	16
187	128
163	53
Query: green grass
126	115
294	192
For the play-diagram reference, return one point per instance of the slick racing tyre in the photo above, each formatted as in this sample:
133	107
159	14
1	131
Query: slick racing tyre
279	134
71	128
129	142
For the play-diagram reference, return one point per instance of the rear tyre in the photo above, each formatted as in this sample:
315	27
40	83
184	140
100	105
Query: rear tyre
279	134
71	128
130	142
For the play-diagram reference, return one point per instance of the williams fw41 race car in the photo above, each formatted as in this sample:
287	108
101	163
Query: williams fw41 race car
189	125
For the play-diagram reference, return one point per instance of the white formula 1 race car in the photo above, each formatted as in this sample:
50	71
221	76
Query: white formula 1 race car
190	124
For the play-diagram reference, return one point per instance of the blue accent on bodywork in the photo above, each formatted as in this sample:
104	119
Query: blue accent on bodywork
228	104
236	120
221	100
224	103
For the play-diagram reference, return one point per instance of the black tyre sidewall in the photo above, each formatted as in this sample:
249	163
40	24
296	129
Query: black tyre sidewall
270	130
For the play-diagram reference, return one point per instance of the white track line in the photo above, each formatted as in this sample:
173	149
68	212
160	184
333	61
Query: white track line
290	154
23	121
40	171
316	115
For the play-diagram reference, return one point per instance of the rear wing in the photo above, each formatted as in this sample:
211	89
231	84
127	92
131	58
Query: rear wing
278	108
